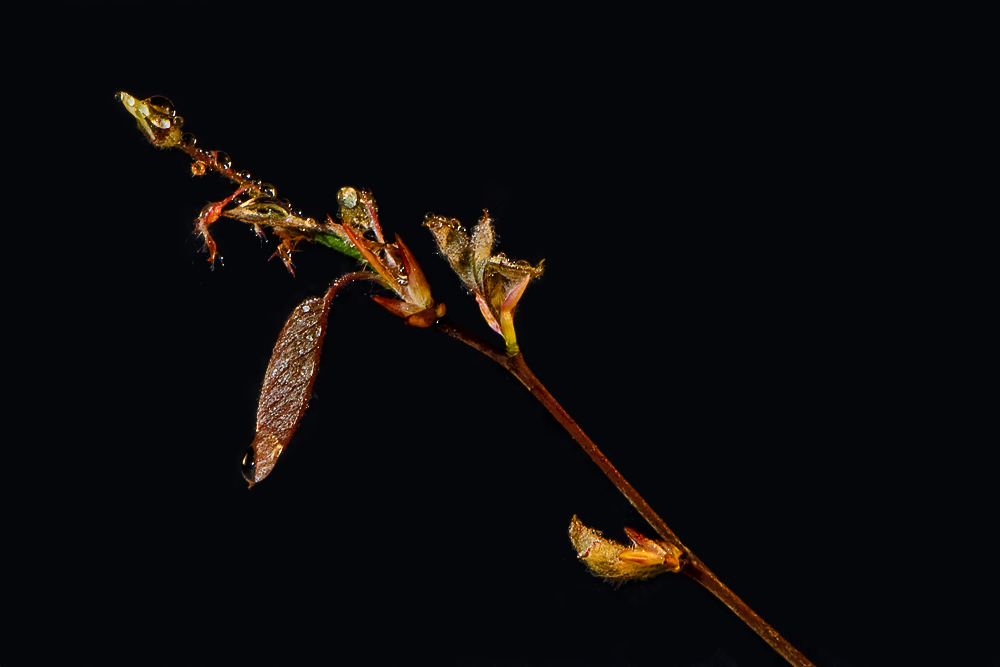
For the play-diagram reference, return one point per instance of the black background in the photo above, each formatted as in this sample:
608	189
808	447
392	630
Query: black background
733	309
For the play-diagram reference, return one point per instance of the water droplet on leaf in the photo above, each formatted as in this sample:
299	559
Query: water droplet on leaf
162	104
222	159
189	139
268	190
245	175
249	465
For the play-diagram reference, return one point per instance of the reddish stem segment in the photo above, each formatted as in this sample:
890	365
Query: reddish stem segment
691	565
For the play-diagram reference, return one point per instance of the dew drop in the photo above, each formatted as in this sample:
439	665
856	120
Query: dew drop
245	175
178	121
347	197
268	190
189	139
162	123
162	104
198	168
249	464
222	159
120	96
305	309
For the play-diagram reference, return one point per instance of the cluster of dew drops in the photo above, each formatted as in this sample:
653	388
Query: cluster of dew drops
220	159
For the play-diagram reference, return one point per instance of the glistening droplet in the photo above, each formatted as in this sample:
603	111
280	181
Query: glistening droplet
249	464
162	104
245	175
268	190
189	139
222	159
347	197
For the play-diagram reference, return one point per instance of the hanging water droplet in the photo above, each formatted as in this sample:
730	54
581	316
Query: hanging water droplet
162	104
249	464
189	139
178	121
244	175
268	190
223	161
198	168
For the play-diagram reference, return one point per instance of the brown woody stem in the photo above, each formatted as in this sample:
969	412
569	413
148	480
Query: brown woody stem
691	565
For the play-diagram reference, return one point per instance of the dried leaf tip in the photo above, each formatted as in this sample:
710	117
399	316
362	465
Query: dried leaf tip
157	118
497	281
606	558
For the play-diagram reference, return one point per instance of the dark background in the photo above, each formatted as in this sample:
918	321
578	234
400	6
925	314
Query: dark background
734	308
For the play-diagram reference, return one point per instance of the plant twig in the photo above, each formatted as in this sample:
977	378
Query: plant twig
691	565
497	282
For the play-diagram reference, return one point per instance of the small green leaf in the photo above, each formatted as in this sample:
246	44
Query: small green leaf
339	244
